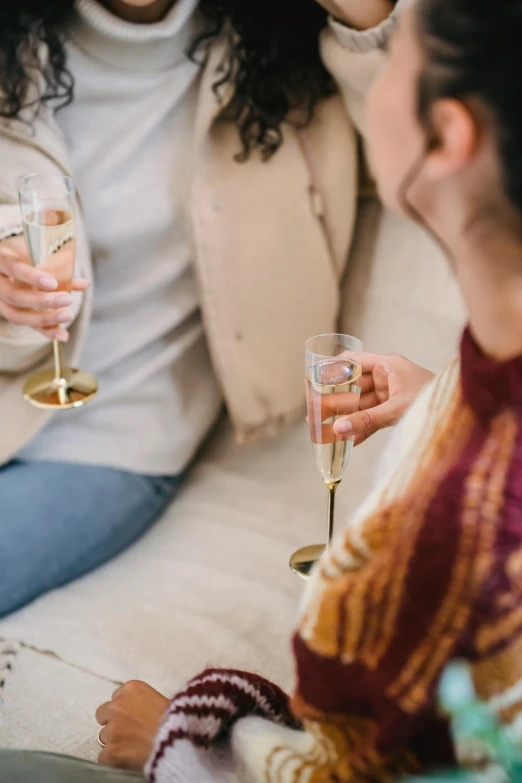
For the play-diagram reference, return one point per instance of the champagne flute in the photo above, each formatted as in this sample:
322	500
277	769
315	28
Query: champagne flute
47	204
333	390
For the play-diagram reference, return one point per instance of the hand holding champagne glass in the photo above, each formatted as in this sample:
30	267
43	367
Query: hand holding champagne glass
47	204
333	390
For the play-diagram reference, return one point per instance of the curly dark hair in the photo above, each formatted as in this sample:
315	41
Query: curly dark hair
273	61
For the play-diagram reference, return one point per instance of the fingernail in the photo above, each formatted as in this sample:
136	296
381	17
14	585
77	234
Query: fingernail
63	300
48	282
62	336
65	317
343	427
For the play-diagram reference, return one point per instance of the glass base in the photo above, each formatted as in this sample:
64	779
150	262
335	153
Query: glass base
303	561
43	391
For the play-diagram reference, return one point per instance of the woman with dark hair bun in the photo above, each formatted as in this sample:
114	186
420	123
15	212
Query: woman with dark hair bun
210	142
429	569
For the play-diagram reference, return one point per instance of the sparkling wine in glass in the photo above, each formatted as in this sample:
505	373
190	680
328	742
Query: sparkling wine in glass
47	205
333	390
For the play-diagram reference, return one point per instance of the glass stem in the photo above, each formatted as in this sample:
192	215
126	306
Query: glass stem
57	351
59	380
332	489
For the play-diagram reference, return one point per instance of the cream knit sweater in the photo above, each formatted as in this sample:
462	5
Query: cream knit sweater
128	131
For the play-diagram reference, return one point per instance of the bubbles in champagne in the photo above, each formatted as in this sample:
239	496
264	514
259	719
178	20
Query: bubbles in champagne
47	231
333	391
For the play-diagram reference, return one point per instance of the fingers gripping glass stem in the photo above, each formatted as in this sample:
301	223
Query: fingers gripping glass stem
333	390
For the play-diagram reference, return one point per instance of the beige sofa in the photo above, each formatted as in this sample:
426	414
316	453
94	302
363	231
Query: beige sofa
210	583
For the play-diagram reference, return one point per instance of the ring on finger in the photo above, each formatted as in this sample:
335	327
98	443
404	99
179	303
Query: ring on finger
101	743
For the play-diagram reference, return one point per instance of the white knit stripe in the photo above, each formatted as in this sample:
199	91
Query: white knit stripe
209	702
344	559
295	766
507	699
161	738
242	683
246	686
205	727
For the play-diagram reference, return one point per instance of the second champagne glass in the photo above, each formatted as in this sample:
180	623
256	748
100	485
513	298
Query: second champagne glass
47	203
333	390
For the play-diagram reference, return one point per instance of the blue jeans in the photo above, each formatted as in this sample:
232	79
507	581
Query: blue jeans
21	766
59	521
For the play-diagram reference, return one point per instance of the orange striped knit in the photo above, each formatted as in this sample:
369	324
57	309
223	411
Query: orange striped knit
429	569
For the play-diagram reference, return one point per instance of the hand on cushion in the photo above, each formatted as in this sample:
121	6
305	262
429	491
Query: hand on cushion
359	14
389	386
130	723
139	720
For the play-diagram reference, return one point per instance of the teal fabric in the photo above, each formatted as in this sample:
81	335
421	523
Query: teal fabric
472	720
459	776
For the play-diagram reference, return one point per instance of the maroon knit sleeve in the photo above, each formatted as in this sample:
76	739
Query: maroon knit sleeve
207	709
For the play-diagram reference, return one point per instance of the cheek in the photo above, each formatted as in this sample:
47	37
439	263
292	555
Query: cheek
392	139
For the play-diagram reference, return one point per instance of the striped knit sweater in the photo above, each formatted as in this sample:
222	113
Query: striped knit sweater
430	569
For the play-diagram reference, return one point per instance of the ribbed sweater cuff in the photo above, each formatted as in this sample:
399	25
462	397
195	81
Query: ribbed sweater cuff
207	709
367	40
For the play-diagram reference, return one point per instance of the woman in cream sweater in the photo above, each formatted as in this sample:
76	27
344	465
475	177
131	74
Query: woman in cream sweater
217	190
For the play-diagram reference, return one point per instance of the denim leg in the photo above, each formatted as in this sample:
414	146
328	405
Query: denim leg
22	766
59	521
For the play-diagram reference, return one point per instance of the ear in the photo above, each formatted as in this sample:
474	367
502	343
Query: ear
456	139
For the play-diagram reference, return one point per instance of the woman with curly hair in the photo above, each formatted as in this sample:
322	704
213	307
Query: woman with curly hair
429	569
209	141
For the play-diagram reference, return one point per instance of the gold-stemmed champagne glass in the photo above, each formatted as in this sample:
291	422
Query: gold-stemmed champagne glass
333	390
47	203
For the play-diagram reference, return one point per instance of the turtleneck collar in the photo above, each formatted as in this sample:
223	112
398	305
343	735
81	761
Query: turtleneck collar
135	47
489	386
